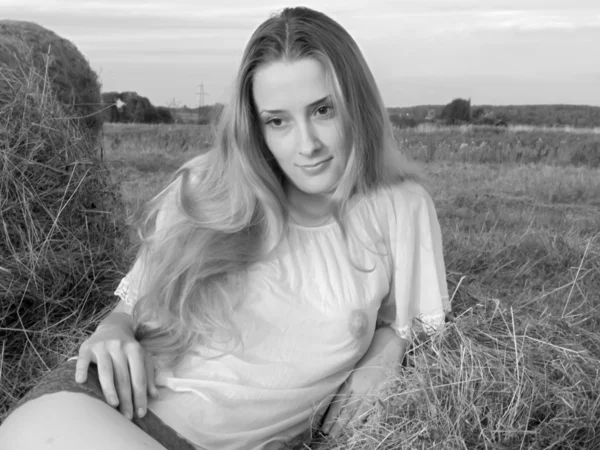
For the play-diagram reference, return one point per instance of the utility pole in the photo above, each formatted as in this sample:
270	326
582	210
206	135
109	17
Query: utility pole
201	96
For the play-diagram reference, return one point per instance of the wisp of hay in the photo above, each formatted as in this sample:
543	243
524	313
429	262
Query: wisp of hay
62	219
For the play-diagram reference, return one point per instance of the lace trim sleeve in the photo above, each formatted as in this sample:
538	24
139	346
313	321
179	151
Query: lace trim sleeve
126	292
428	323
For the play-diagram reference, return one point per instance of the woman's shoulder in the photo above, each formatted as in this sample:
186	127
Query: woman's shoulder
399	197
393	207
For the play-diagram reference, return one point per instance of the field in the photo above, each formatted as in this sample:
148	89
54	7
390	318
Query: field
520	214
147	154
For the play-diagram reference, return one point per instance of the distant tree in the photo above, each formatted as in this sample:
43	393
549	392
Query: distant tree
126	107
137	109
164	115
405	120
111	107
395	119
545	115
458	110
150	116
478	113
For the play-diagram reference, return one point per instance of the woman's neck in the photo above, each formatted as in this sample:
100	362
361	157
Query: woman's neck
308	209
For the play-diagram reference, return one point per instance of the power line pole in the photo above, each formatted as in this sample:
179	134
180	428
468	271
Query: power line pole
201	96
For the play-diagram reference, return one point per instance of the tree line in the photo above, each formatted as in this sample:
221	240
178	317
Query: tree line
130	107
460	111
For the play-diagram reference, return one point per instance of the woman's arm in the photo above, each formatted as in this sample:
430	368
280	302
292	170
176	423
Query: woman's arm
119	317
417	299
371	374
388	347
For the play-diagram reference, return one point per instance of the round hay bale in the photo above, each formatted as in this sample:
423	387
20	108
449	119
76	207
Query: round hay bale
62	219
75	84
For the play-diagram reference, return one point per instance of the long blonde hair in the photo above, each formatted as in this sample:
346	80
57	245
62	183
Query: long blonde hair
226	209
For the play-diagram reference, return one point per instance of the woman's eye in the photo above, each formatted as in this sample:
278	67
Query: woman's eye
275	123
325	110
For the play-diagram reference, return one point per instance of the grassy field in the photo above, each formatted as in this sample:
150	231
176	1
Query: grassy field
518	367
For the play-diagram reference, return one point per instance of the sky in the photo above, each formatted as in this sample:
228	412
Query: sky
420	51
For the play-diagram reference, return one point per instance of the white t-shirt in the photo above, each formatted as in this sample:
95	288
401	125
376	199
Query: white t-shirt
307	317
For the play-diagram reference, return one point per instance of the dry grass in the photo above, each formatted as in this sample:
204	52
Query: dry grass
143	157
428	128
497	378
486	144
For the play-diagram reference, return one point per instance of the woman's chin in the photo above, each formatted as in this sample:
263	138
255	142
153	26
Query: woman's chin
317	187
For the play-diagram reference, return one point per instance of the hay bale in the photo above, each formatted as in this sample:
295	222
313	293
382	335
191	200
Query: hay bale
62	217
74	83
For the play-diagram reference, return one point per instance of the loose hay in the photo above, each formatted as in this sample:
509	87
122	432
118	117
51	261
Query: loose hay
61	216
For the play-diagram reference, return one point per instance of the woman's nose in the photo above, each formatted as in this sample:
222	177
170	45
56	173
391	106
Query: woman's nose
308	140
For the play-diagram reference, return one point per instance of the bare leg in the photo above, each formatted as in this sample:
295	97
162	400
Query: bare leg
71	421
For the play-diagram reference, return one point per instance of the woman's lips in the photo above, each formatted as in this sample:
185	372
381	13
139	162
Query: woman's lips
313	169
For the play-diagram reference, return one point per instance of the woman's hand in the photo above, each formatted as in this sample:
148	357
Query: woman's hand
359	393
125	370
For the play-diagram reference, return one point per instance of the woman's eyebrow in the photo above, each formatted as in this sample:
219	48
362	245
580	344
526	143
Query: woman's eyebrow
279	111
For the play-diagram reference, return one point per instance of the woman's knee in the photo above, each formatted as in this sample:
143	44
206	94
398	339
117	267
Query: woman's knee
68	420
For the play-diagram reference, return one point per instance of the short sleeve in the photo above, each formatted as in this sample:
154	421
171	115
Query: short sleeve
418	297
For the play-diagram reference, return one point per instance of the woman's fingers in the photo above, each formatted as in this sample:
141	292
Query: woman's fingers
152	389
346	414
107	378
365	408
82	365
139	385
124	372
123	383
344	409
335	408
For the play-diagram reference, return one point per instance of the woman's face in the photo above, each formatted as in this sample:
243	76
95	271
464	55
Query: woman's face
300	126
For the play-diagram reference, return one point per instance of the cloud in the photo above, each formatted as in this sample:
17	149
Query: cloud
411	24
107	20
456	6
162	8
536	21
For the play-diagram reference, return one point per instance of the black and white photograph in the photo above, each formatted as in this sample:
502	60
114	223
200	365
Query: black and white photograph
337	224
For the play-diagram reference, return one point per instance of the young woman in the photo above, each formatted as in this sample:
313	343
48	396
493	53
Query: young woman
281	275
